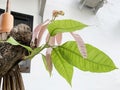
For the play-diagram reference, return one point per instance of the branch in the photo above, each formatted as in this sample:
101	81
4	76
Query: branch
11	55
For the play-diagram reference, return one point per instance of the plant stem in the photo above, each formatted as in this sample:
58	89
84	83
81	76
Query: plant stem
44	46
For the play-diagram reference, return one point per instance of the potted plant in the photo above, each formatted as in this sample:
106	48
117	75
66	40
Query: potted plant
21	45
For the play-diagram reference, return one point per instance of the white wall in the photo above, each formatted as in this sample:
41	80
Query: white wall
24	6
103	32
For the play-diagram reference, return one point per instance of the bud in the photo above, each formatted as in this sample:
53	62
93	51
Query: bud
55	13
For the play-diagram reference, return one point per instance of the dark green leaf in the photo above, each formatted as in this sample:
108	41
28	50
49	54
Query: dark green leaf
60	26
97	61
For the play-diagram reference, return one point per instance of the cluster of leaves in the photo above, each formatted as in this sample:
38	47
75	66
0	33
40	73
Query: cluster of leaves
68	55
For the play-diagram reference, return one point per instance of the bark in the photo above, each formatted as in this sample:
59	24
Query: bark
13	80
11	55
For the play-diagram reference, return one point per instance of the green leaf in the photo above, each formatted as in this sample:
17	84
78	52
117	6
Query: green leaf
60	26
44	61
27	47
45	64
63	67
33	53
97	61
12	41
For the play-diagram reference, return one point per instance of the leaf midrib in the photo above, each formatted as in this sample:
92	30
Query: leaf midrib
64	29
87	59
62	63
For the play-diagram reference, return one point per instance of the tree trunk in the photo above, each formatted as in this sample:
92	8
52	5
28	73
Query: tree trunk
11	55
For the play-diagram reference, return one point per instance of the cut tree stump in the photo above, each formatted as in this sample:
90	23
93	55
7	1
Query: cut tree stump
10	56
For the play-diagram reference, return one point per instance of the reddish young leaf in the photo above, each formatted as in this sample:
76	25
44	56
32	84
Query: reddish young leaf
48	60
80	44
50	40
59	38
47	37
43	28
35	33
40	36
38	32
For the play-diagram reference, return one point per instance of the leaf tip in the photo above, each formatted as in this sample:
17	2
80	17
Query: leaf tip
116	68
70	83
50	74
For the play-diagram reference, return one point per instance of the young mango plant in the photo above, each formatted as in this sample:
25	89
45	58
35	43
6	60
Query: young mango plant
68	55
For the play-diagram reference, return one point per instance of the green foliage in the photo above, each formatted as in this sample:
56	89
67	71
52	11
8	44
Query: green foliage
97	61
67	56
44	61
62	66
60	26
33	53
45	64
12	41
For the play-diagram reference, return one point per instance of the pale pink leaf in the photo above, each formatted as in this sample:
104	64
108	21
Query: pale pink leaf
52	41
47	37
35	32
38	32
59	38
80	44
43	28
48	60
40	36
